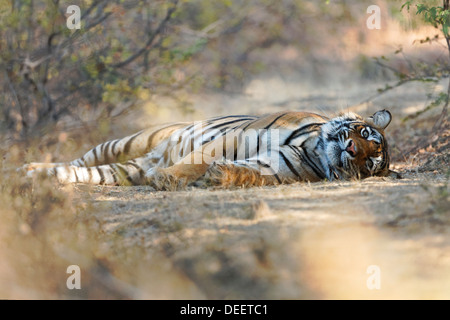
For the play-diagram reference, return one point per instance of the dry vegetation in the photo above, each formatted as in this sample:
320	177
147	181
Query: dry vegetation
300	241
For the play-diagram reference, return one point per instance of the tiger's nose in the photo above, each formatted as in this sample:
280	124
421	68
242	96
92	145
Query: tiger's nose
351	148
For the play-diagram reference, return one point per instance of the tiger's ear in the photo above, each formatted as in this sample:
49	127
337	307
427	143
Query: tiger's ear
380	119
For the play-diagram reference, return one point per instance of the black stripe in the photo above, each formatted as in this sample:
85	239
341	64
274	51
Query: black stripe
257	145
249	123
266	127
227	130
132	163
76	176
290	166
384	160
95	156
113	147
235	147
270	124
298	132
258	140
152	136
234	116
297	152
113	174
150	139
89	170
262	164
305	158
102	175
123	172
227	123
105	152
224	143
265	165
186	130
192	144
127	146
278	178
224	148
313	166
222	130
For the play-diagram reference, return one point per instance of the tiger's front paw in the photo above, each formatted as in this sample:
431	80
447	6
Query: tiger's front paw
162	179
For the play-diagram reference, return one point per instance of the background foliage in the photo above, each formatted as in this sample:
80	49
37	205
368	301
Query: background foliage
128	51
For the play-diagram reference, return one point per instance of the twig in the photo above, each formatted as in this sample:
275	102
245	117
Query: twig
398	84
16	98
150	40
390	68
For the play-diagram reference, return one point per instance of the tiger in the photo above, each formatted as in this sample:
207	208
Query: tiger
236	150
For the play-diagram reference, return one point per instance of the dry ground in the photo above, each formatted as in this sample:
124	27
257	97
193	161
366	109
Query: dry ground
300	241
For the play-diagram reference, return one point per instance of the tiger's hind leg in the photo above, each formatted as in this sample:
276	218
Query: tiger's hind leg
108	152
131	172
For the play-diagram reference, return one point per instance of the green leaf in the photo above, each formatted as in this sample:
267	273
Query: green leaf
432	12
420	8
407	4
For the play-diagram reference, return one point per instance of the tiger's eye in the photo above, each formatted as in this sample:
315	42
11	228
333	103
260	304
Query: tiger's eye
365	133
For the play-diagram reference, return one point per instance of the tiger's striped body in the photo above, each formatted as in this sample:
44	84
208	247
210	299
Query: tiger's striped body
235	150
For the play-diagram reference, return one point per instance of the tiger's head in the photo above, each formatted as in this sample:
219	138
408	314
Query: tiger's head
356	147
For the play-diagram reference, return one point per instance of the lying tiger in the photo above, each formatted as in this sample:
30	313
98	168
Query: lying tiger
236	151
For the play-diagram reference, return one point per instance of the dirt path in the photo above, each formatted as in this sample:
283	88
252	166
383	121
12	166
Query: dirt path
290	242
